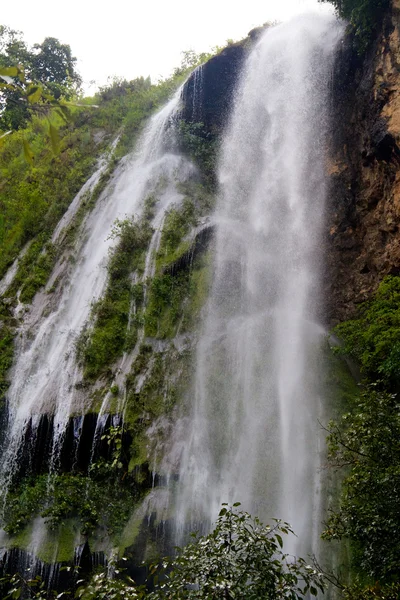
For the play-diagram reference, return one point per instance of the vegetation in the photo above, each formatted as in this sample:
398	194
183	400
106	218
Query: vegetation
174	292
240	558
364	17
95	501
365	442
373	338
202	147
114	319
33	80
37	184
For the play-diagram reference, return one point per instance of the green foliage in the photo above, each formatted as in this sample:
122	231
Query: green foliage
17	586
240	558
33	274
151	401
190	60
175	295
33	199
110	334
373	338
364	17
101	587
375	591
167	294
101	500
33	80
6	356
177	224
366	443
201	146
113	467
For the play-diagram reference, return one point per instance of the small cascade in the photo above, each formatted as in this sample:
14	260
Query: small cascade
197	93
30	567
253	434
7	280
85	190
45	373
51	427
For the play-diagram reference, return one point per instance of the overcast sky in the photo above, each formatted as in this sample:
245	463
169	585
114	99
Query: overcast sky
142	37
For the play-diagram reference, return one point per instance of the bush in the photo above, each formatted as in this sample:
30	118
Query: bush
366	442
364	17
373	338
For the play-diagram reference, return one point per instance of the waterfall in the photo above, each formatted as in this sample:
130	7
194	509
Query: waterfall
253	433
45	373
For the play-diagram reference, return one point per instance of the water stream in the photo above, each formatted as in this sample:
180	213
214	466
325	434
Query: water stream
252	435
45	372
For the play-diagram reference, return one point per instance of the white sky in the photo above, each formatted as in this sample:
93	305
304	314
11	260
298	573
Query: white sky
142	37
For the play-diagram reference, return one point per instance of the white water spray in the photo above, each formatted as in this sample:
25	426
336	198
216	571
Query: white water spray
45	371
253	433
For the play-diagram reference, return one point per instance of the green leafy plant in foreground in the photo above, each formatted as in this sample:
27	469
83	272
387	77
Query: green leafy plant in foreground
240	558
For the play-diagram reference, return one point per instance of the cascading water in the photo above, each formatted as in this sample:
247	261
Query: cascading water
45	372
253	432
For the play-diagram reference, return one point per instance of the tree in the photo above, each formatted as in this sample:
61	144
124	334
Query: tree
240	558
366	442
53	65
33	80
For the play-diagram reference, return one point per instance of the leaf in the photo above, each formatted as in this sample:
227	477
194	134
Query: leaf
28	152
17	593
55	139
34	93
64	112
280	542
9	71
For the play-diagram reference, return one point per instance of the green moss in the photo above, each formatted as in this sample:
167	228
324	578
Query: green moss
130	533
163	379
59	545
6	356
111	332
39	273
177	223
139	454
199	288
201	146
67	537
164	311
22	538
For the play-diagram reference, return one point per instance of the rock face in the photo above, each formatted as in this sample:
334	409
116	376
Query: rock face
363	216
208	93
